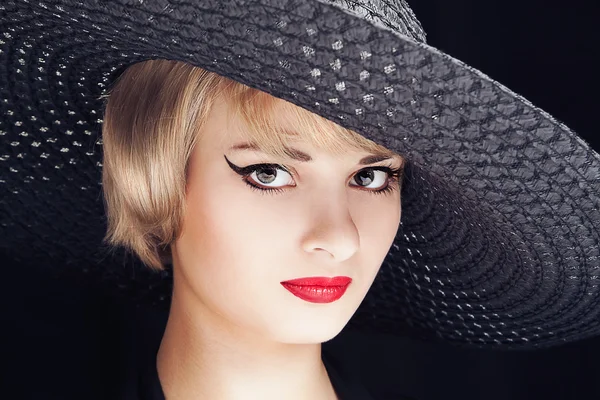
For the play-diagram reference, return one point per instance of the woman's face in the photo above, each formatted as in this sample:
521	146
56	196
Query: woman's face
238	243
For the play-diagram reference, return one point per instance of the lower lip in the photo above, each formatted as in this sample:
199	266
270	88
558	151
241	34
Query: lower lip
317	294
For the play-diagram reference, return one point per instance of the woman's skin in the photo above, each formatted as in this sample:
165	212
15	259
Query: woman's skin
234	332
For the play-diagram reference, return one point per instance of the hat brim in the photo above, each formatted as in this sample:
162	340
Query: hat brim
498	244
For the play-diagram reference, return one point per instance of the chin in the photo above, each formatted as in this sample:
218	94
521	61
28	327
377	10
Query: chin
309	334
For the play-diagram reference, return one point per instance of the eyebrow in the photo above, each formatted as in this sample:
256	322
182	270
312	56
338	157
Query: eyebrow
303	157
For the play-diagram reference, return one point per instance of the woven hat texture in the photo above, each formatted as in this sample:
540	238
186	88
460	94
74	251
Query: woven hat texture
499	240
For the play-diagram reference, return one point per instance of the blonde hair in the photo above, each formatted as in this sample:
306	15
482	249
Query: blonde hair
153	114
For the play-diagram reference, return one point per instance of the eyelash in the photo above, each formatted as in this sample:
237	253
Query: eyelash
394	175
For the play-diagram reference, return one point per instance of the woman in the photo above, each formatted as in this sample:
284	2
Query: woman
239	327
484	232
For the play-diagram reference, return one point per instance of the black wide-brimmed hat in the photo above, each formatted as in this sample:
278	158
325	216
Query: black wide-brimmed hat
499	238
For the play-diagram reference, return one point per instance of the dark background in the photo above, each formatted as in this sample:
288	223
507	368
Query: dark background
63	338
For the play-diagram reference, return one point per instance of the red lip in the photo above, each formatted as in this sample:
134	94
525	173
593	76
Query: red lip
318	289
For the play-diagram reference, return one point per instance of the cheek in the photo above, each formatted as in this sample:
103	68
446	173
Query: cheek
378	227
390	223
378	218
232	246
217	236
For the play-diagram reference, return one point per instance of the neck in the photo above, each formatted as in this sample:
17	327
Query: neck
202	357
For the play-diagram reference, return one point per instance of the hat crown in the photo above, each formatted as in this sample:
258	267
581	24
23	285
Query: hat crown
394	14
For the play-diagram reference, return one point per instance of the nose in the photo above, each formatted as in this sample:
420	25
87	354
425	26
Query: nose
332	232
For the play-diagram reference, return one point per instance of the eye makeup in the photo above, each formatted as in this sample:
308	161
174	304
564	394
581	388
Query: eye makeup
394	177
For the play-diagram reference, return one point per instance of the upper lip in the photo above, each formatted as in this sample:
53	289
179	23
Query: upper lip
320	281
